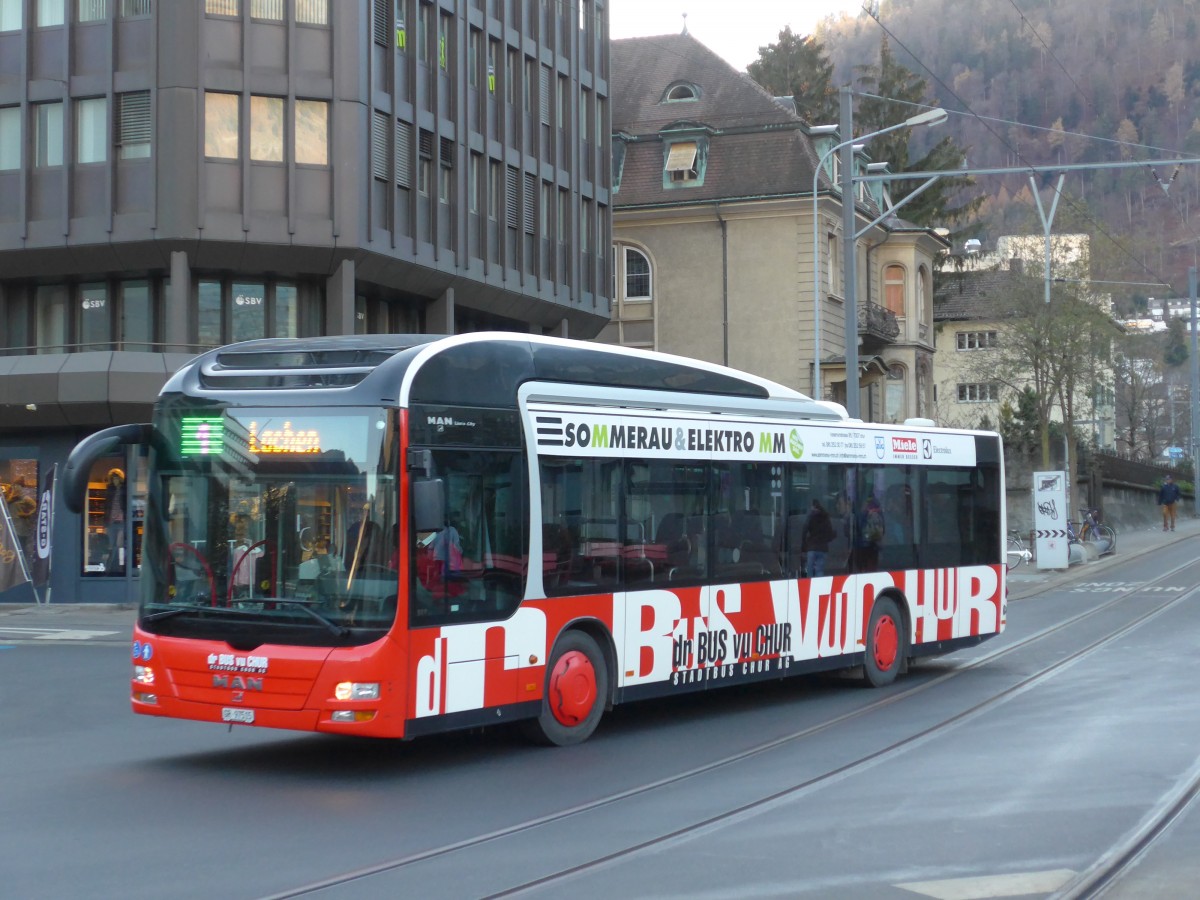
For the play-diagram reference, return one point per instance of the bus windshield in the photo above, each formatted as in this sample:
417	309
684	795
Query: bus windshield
272	524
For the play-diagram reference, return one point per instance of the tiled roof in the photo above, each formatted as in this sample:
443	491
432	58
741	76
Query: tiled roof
975	295
756	146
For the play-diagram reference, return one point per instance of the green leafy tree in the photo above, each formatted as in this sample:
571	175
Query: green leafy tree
941	204
798	66
1175	350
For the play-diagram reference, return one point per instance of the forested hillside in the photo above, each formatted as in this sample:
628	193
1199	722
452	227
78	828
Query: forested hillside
1038	72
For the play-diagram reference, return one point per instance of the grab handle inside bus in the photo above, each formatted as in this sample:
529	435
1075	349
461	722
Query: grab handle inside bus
429	504
102	443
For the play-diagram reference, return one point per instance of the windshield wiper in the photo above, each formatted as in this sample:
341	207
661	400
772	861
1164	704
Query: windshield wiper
334	627
171	613
338	630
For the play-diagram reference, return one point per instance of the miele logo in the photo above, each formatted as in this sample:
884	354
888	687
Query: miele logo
904	445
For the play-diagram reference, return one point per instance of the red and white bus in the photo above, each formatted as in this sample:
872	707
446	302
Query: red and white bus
395	535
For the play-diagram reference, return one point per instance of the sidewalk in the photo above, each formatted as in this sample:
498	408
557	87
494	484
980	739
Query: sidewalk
1027	580
114	623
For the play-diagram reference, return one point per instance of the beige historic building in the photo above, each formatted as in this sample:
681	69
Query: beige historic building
713	234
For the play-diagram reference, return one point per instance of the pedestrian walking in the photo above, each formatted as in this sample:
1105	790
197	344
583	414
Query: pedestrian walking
1168	496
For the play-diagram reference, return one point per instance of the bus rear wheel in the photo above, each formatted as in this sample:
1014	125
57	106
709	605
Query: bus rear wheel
887	643
576	688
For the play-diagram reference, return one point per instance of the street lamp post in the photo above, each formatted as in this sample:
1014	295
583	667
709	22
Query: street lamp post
929	117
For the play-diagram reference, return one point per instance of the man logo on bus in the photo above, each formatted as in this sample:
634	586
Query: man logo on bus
796	445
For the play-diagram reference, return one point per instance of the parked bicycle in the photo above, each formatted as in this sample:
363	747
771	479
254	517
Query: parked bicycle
1093	531
1017	553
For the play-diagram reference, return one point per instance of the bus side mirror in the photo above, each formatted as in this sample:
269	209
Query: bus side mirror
429	504
86	452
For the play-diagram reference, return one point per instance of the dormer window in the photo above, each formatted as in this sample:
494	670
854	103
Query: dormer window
681	161
681	91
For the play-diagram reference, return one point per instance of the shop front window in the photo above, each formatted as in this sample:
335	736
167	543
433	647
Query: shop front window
112	526
19	488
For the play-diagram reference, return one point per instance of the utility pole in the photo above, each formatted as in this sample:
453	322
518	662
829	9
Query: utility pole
1195	393
849	255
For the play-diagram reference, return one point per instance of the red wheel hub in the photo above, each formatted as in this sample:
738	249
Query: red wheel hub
572	688
885	642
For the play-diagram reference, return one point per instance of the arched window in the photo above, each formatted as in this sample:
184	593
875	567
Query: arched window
682	92
637	275
893	289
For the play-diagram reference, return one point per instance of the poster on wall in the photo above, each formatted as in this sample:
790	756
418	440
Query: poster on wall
13	570
1050	520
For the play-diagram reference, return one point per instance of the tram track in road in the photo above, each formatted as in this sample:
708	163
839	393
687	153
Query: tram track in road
1107	871
1115	861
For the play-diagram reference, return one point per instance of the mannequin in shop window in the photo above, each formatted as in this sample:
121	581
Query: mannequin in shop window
114	521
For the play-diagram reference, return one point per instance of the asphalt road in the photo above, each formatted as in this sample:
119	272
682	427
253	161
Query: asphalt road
1007	770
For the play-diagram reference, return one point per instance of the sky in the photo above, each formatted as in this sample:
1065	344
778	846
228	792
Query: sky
736	38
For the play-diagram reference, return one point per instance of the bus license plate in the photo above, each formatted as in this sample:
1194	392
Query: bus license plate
241	716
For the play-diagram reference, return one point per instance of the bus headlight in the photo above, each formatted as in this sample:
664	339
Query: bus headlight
143	674
354	690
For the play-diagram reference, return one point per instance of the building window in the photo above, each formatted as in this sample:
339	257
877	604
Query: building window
381	159
248	312
221	7
220	125
682	92
976	340
683	162
380	23
493	206
423	33
831	257
981	392
894	395
287	311
446	175
312	132
637	274
208	310
474	40
52	323
10	138
473	163
404	154
133	124
10	15
91	10
425	159
312	12
893	289
20	490
91	130
267	10
137	316
443	41
94	318
50	13
266	129
133	9
48	136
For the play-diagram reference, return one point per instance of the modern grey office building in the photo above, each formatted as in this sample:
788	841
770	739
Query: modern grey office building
178	174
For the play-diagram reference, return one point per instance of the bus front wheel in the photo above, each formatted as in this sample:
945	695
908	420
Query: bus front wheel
575	692
887	643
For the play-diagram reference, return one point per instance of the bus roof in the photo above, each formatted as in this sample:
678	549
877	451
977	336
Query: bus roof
477	369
